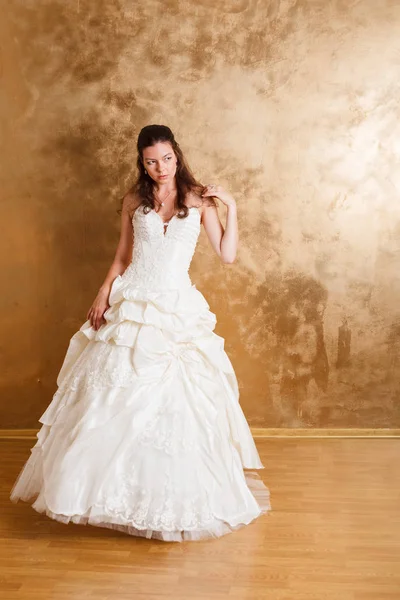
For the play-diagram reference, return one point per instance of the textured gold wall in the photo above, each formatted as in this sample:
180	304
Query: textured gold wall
292	105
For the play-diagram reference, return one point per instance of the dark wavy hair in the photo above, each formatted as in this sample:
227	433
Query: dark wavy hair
143	187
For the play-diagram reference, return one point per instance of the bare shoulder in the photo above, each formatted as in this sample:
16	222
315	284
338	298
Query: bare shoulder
130	203
194	199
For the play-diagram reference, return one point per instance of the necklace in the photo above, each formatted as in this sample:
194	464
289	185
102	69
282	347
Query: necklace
162	202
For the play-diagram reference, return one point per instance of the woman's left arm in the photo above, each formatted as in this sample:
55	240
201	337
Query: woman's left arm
224	241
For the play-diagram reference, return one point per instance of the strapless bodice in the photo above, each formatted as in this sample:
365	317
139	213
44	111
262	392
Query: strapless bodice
161	260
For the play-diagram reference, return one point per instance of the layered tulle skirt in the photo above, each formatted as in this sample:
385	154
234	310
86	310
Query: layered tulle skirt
145	433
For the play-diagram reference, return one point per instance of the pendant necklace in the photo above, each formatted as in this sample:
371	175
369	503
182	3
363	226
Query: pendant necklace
163	201
166	223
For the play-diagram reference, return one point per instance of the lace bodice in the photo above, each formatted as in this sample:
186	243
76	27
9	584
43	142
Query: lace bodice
162	255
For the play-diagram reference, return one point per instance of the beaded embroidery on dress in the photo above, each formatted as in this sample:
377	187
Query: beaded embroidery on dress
145	433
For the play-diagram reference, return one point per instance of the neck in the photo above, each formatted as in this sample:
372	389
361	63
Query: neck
163	189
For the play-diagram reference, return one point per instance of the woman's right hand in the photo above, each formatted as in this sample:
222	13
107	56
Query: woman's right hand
96	312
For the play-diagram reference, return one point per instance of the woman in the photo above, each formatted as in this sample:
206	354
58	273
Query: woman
145	433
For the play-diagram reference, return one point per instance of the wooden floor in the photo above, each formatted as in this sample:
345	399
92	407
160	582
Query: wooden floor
333	534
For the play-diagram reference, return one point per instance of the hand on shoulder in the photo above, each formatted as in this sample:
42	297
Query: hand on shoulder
217	191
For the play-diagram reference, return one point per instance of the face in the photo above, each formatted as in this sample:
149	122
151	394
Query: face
160	162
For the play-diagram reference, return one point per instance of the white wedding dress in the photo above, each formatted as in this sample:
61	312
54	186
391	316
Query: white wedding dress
145	433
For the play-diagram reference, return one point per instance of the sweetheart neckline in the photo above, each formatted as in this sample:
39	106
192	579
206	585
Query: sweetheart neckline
173	216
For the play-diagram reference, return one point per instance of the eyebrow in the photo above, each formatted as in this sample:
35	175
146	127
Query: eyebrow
148	158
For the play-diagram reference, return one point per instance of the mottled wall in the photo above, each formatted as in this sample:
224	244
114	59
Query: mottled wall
294	106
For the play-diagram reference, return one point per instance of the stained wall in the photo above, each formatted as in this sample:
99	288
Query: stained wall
293	106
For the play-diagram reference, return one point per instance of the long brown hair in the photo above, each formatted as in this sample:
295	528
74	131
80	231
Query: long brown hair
144	185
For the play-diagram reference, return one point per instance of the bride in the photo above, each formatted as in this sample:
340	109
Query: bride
145	433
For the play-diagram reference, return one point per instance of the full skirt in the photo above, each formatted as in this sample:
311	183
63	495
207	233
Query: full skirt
145	433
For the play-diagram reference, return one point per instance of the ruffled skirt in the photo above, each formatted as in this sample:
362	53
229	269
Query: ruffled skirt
145	433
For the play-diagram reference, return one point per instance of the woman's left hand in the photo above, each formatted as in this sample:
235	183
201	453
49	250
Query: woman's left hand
218	191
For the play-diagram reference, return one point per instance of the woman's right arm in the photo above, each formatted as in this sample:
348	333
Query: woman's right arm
123	257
